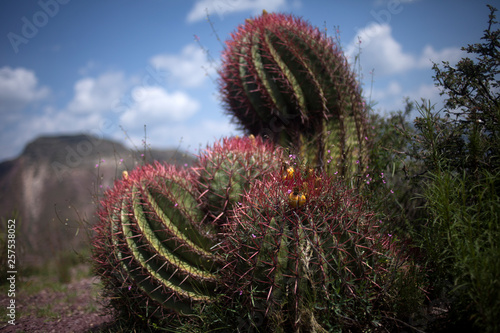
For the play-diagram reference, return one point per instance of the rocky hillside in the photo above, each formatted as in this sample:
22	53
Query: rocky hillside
54	188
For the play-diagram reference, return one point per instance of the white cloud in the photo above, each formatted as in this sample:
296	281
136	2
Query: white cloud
60	121
224	7
101	103
393	89
95	95
16	134
187	137
153	105
391	97
205	132
188	69
430	93
429	55
380	51
93	100
18	88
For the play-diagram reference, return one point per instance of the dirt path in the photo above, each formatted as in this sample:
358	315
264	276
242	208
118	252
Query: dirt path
72	307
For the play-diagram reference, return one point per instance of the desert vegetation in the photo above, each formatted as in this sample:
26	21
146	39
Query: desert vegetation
325	216
334	219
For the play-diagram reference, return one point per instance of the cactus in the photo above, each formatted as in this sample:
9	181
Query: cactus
277	244
150	248
244	233
227	169
158	225
310	266
282	78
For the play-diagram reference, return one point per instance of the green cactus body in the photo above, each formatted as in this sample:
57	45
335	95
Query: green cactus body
227	169
282	78
294	264
150	238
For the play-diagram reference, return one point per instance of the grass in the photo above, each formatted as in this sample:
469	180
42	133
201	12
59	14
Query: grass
463	243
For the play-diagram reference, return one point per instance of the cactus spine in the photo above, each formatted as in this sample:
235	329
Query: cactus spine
282	78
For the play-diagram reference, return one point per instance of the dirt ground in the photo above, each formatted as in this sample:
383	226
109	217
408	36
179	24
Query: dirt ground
75	307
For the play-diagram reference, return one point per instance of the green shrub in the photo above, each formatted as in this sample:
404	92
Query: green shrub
459	149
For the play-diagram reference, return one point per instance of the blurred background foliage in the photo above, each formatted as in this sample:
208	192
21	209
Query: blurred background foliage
443	169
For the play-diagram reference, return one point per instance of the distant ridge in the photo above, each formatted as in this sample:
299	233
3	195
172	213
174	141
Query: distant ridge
55	183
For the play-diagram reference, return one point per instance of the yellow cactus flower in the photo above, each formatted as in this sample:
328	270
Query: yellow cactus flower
296	199
287	172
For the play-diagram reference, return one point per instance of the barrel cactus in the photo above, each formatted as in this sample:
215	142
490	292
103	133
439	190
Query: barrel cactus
245	239
289	250
282	78
305	255
151	249
227	169
158	227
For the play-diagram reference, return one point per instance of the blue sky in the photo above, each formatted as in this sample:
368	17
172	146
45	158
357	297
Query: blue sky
111	67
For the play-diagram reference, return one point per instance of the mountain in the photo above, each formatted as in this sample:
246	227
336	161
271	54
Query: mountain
53	189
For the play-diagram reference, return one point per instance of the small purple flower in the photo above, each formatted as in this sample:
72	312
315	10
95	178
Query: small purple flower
357	161
254	236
